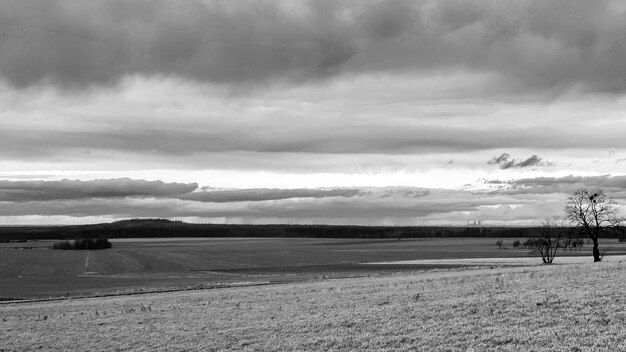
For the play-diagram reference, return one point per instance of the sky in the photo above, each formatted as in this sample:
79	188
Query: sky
364	112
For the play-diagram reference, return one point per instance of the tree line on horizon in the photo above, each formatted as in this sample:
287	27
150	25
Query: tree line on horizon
160	228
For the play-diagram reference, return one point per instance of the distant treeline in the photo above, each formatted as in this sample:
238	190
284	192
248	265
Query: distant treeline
155	228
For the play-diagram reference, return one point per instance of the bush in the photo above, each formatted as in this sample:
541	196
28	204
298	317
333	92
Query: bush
84	244
531	243
63	245
517	244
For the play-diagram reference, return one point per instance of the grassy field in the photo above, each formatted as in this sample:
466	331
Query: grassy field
564	307
161	264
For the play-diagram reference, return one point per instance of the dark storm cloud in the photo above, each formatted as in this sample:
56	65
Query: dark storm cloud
261	194
534	160
538	44
27	191
506	162
502	160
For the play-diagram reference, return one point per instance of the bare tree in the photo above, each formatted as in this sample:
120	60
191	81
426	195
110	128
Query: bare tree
554	235
593	214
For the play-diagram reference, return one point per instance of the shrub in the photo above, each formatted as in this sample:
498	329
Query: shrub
554	235
84	244
531	243
63	245
517	244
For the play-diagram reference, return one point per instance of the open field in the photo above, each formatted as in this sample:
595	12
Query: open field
162	264
562	307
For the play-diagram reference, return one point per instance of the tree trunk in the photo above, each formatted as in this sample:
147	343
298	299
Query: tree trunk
596	251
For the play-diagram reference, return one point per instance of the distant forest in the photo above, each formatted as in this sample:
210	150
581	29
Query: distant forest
155	228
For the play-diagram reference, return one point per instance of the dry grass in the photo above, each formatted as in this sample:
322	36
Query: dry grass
578	307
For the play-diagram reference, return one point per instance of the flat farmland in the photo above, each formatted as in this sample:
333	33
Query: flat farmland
560	307
31	270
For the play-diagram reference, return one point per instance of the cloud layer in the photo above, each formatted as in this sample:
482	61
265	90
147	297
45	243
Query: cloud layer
260	194
615	186
528	45
27	191
518	202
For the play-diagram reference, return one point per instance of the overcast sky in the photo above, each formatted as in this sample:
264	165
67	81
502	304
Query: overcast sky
343	112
